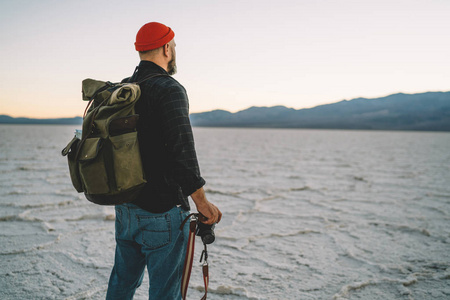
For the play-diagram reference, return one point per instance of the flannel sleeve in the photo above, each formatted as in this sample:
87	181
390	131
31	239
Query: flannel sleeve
179	140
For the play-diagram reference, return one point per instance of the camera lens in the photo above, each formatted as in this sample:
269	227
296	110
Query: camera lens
206	232
208	238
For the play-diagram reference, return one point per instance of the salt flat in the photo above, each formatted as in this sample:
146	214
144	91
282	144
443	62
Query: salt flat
308	214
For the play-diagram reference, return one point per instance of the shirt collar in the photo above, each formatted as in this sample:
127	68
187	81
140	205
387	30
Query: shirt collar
146	66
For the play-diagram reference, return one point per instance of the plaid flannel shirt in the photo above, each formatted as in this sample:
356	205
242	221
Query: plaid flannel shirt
166	141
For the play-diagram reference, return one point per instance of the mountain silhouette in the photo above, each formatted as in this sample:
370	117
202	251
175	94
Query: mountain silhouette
424	111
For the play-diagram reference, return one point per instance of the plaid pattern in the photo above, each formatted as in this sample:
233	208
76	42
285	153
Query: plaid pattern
166	141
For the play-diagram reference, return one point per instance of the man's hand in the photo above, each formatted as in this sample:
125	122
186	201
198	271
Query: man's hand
209	211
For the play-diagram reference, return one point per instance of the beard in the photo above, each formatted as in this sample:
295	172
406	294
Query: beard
172	65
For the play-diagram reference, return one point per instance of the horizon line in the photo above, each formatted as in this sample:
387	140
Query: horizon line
216	109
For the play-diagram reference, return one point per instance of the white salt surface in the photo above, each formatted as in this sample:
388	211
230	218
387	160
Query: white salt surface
308	214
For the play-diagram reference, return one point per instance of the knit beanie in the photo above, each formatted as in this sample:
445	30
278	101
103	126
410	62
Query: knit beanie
153	35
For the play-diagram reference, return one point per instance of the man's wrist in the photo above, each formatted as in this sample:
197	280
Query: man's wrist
199	197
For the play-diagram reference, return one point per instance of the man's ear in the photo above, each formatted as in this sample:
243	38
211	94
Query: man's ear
166	50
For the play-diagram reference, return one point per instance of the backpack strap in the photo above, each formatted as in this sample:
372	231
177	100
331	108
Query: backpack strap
143	79
149	77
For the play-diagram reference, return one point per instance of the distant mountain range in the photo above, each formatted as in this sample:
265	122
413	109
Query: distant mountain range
61	121
424	111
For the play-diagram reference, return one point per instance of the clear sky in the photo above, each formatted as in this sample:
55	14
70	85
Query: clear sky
230	54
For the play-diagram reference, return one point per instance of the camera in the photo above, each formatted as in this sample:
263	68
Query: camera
206	232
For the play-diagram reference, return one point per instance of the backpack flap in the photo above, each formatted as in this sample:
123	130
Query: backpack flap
96	89
93	172
90	148
90	87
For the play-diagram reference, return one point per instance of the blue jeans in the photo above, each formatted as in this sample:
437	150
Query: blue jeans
152	240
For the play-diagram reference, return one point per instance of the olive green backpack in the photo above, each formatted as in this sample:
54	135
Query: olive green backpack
105	162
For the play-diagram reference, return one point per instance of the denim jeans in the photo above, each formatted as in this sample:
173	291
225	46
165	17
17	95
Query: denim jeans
152	240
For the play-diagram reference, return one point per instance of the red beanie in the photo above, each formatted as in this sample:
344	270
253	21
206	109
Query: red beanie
153	35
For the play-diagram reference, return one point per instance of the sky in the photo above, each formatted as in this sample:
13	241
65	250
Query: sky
231	55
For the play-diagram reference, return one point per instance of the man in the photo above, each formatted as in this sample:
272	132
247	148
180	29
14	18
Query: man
147	230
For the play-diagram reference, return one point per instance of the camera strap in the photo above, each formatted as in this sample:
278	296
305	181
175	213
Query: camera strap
190	258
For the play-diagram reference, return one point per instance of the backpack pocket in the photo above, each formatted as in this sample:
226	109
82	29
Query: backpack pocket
128	171
92	167
70	151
